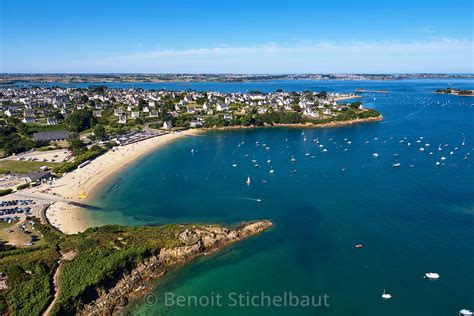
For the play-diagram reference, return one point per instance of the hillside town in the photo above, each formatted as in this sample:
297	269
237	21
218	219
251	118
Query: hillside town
51	106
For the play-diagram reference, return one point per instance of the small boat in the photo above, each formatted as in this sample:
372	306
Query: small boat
386	296
396	165
293	159
437	163
307	153
325	150
359	246
248	181
294	171
422	149
234	165
375	155
271	170
466	312
192	151
439	147
269	160
432	275
463	142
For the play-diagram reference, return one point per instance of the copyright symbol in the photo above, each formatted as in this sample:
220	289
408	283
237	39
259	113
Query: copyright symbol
150	299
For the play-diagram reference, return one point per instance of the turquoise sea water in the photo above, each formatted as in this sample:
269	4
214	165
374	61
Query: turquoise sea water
411	220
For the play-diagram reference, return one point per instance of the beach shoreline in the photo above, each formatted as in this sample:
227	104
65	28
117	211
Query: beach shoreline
79	186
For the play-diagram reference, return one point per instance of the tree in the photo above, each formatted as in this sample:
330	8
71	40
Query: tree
84	98
323	95
99	131
76	145
355	105
138	121
80	120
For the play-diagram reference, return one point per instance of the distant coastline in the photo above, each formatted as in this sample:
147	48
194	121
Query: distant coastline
13	78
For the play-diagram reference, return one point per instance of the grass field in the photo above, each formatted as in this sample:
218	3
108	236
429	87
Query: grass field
16	166
16	237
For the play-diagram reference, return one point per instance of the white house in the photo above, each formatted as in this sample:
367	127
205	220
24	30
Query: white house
123	119
168	124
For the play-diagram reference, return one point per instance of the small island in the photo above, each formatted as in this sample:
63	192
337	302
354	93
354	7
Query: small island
455	91
99	271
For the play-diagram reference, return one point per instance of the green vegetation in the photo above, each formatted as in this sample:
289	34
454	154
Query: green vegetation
22	167
102	255
35	128
23	186
99	131
5	192
80	120
14	139
92	153
288	117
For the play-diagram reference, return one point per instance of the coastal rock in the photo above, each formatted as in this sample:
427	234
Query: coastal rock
134	283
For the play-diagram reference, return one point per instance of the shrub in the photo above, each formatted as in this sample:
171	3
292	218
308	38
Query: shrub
5	192
92	153
23	186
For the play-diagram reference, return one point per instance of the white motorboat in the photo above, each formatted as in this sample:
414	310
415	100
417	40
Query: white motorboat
432	275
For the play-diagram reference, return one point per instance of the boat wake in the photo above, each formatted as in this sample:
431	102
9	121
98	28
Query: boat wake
243	198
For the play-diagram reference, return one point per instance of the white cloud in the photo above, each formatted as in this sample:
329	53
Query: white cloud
434	55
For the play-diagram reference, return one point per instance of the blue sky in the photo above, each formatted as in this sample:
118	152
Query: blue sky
228	36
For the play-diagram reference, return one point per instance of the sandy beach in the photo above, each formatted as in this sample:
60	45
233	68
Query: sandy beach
81	184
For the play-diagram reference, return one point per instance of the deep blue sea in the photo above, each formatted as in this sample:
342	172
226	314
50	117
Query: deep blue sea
411	220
